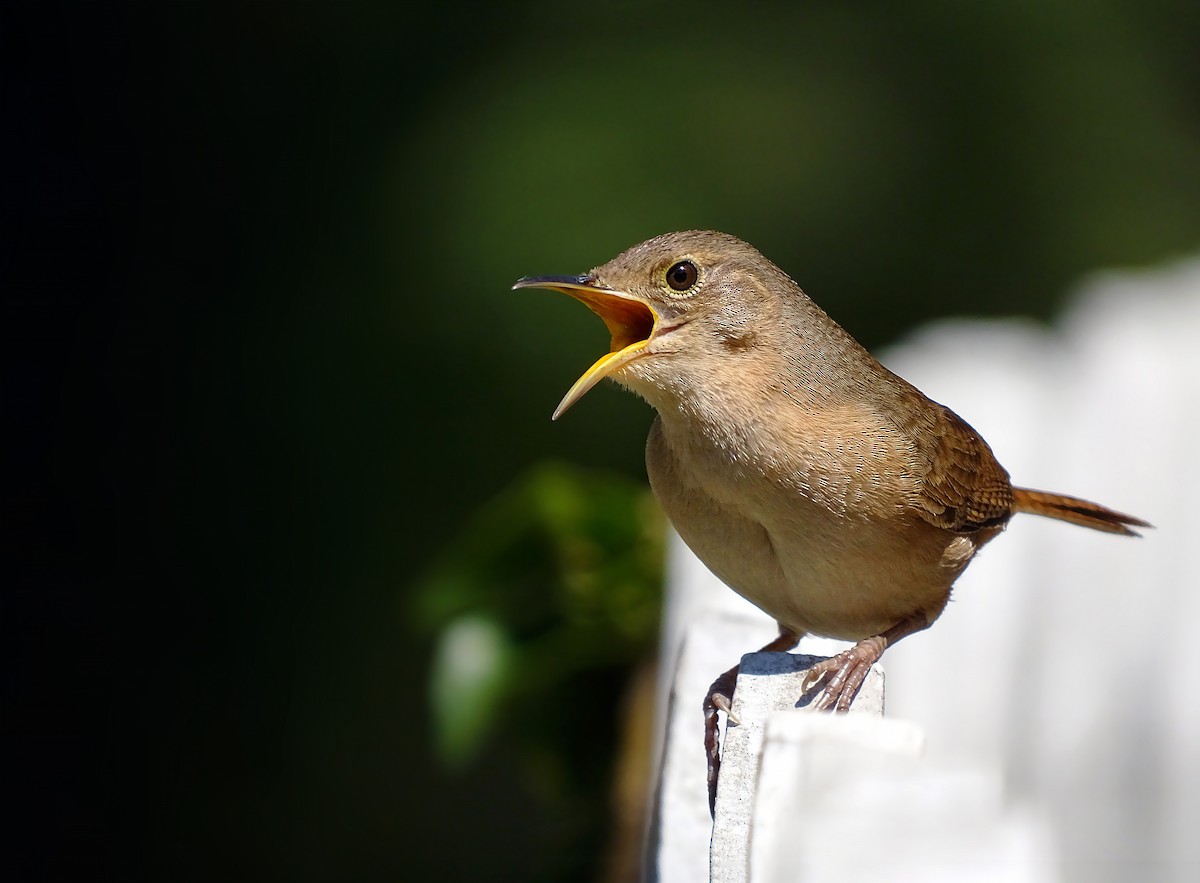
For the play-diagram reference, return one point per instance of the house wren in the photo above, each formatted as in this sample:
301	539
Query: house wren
810	479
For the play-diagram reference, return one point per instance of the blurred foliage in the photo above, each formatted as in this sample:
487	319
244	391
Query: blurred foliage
560	573
263	260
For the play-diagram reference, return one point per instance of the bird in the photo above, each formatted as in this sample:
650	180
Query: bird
814	482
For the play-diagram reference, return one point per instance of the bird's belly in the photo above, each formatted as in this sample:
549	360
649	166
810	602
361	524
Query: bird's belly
825	579
813	570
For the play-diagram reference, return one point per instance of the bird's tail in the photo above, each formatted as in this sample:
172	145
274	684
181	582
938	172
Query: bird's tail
1076	511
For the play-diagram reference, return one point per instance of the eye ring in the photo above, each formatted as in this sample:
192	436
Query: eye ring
682	275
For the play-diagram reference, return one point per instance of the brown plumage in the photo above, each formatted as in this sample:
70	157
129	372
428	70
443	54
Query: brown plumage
814	482
1076	511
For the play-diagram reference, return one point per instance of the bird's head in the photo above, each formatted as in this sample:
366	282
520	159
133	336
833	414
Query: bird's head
677	307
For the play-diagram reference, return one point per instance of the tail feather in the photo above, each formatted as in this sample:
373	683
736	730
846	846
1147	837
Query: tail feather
1076	511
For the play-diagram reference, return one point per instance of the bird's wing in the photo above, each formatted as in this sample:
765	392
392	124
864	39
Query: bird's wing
959	484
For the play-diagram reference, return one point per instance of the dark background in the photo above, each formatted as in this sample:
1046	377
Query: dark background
261	362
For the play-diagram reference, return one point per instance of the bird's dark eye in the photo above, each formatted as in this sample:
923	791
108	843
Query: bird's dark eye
682	276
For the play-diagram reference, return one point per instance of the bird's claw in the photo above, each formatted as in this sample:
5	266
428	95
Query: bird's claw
841	676
721	701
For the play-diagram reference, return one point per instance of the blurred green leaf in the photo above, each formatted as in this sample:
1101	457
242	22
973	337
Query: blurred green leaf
471	666
558	574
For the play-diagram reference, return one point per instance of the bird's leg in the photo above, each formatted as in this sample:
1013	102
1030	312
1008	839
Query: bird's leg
841	676
720	697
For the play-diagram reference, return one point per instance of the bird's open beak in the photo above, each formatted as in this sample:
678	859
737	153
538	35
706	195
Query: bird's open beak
630	320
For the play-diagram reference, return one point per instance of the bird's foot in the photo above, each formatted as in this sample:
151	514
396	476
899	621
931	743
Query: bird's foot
841	676
718	699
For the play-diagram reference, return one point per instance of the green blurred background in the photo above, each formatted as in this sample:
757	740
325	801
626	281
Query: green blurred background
278	429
